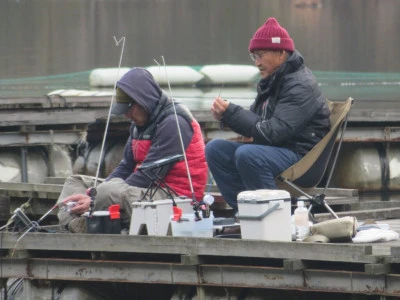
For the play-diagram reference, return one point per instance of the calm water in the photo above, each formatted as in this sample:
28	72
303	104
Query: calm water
47	37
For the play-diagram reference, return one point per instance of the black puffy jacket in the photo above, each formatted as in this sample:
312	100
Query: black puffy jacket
289	111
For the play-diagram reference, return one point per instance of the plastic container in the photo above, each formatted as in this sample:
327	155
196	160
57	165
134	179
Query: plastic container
155	215
265	215
301	221
188	226
100	222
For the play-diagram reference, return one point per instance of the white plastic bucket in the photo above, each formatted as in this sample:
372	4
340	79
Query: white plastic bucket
188	226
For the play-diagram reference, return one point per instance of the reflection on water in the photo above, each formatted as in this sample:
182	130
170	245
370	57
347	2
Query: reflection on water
46	37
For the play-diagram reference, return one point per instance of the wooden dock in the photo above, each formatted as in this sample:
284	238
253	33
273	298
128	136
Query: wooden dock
205	263
210	267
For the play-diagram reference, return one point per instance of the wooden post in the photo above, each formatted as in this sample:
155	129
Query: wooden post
4	208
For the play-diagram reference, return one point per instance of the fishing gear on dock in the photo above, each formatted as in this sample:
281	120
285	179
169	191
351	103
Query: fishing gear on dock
91	192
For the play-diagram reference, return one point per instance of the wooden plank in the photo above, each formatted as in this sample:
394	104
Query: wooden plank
49	137
31	187
54	180
395	252
193	246
377	269
376	214
336	192
77	116
260	278
191	260
294	264
361	112
54	102
4	208
368	205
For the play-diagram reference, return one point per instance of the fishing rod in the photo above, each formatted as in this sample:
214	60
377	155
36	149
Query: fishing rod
208	198
92	192
179	129
204	206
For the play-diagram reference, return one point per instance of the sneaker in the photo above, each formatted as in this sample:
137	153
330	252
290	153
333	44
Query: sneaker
77	225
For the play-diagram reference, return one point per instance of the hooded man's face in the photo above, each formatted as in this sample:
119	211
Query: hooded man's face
137	114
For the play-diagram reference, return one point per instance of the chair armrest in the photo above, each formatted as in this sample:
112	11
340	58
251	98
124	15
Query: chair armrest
162	162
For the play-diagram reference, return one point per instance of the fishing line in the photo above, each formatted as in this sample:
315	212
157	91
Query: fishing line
179	129
109	111
91	192
220	91
1	264
208	198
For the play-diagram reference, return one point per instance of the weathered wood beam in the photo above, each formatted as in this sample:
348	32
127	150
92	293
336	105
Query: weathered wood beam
192	246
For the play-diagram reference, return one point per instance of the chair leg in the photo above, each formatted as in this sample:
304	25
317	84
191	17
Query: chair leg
330	210
326	206
317	199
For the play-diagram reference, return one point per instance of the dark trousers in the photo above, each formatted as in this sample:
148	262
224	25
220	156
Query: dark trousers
238	167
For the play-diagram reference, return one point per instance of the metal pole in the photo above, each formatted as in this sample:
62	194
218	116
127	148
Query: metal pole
24	164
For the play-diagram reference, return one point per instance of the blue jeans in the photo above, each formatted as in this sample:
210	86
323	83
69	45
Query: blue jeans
238	167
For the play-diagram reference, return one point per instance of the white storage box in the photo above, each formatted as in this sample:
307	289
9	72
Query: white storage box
188	226
155	215
265	215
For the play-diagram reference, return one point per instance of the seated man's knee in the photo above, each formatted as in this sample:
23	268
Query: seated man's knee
211	146
109	193
244	155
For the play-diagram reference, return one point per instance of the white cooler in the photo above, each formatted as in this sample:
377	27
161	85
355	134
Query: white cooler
265	215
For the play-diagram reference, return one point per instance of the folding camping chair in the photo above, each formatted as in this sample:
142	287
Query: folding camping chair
308	172
156	172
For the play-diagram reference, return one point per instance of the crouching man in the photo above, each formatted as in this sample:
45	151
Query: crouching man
153	135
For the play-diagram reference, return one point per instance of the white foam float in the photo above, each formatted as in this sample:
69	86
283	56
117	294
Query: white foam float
228	74
183	75
78	93
177	75
10	167
113	157
60	163
106	76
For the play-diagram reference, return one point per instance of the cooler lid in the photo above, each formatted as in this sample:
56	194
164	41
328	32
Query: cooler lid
262	196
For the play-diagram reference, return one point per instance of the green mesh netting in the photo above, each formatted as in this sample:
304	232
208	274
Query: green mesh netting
336	85
39	86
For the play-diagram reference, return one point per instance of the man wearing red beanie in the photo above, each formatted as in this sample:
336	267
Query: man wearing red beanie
287	119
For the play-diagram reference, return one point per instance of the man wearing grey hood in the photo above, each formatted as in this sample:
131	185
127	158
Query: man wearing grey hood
153	135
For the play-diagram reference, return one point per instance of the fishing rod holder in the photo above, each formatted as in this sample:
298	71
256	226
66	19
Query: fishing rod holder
152	217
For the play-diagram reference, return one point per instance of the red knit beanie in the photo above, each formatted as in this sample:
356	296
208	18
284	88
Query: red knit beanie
271	36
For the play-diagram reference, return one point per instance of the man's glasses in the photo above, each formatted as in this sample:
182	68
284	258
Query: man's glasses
257	56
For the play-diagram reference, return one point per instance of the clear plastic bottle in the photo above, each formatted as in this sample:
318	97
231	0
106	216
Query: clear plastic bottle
301	221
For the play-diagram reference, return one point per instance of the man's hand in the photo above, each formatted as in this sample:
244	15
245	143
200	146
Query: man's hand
218	107
82	203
